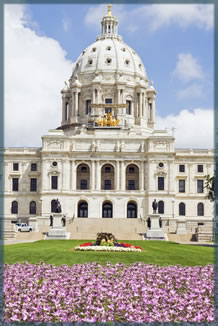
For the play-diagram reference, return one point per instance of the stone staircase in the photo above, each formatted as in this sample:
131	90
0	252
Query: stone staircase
204	234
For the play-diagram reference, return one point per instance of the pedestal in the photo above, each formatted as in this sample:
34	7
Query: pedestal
57	231
155	232
181	226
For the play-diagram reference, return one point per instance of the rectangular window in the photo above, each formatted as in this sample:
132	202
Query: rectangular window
54	182
128	109
160	183
181	185
200	186
181	168
33	166
108	101
83	184
33	184
88	108
107	184
200	168
15	166
131	185
15	184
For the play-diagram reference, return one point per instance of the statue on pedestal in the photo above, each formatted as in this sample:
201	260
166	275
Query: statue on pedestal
58	206
154	206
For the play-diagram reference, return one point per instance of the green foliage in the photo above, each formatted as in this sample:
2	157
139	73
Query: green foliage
60	252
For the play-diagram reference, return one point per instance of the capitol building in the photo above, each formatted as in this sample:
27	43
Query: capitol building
106	162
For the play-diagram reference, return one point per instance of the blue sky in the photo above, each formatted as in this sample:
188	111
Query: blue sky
175	43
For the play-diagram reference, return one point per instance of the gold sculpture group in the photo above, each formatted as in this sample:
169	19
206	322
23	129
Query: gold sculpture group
108	121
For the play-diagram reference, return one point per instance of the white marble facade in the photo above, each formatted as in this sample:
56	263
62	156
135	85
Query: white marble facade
123	167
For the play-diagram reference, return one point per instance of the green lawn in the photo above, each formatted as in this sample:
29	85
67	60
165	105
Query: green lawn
60	252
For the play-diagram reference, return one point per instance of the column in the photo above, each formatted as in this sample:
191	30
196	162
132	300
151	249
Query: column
117	175
118	96
146	109
141	176
93	96
140	106
93	175
63	108
73	175
76	103
123	176
65	174
98	176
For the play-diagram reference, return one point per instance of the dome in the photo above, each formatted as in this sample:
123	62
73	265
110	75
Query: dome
110	54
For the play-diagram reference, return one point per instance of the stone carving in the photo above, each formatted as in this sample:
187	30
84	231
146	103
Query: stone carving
108	76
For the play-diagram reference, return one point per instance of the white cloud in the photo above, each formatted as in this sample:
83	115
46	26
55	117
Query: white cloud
35	69
187	68
193	129
193	90
184	15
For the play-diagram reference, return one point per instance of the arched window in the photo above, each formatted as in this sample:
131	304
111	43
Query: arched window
160	207
32	207
200	209
131	210
14	207
83	209
107	210
182	209
53	206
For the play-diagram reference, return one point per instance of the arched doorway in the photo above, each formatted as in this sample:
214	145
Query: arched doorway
107	210
82	209
131	210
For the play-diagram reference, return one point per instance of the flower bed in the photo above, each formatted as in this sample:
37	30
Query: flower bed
108	246
95	293
107	242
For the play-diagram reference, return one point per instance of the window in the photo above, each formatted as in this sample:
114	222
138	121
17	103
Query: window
32	207
83	169
14	207
54	182
107	184
15	184
33	166
107	169
181	185
131	169
33	184
54	163
88	108
200	209
200	186
131	184
109	109
83	184
128	109
200	168
107	210
160	207
161	165
83	209
181	168
160	183
182	209
15	166
131	210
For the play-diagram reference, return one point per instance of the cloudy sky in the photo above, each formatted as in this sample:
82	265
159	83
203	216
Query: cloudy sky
175	43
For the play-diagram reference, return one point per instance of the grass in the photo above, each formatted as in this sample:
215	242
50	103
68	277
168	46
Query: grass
60	252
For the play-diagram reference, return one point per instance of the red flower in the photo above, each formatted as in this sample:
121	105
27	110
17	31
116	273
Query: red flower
86	244
127	245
